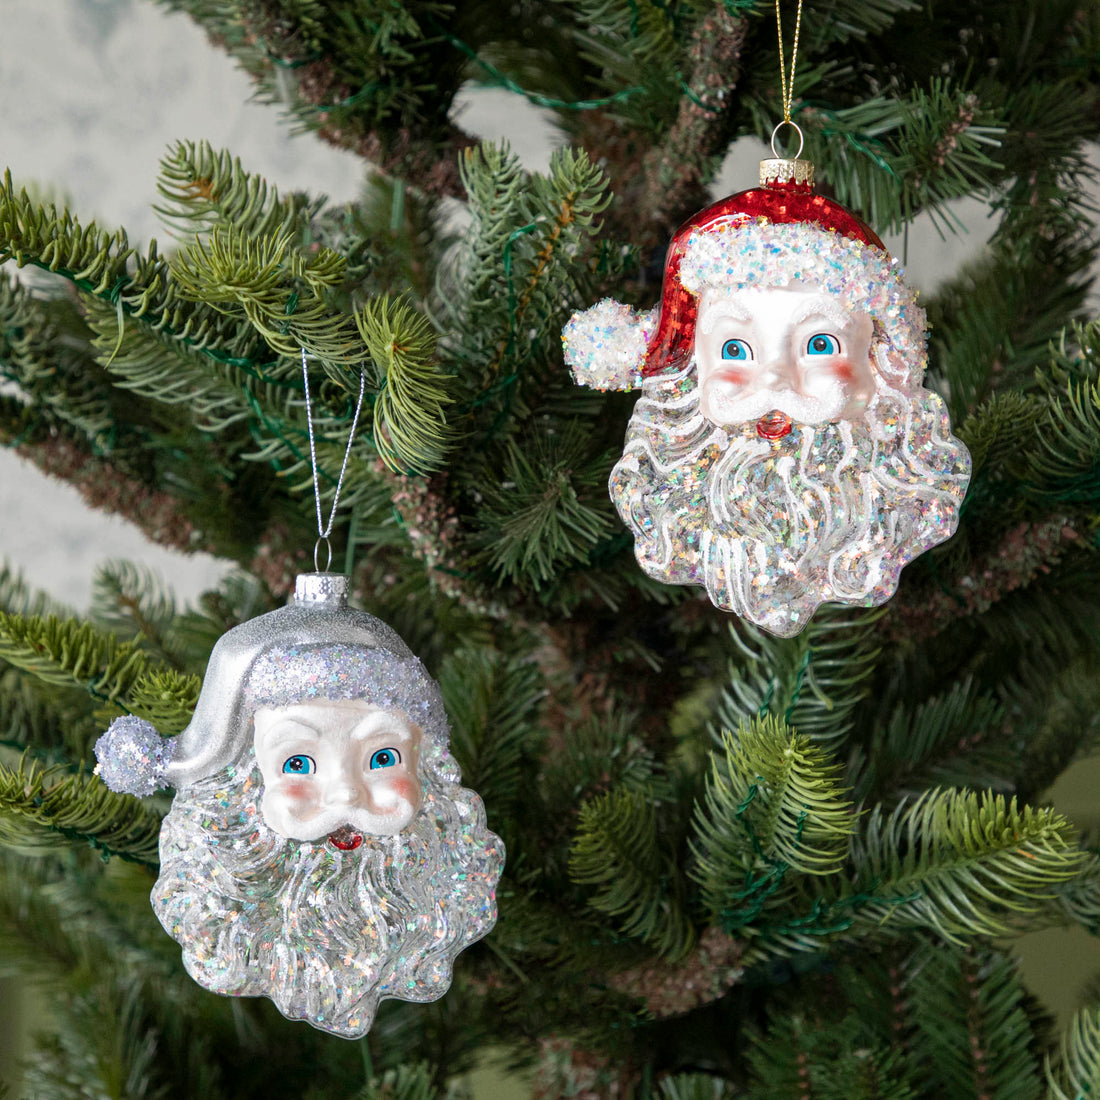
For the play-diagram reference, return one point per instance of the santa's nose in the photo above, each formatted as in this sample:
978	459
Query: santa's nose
345	794
778	373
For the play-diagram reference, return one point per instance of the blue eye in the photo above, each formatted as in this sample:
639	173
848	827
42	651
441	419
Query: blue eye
299	765
822	344
736	349
385	758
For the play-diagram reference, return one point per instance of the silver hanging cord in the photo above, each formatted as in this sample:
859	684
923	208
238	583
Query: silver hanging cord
323	529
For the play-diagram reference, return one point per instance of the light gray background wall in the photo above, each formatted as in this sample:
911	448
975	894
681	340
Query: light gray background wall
93	90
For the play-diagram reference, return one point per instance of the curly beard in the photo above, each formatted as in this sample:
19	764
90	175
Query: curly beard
774	528
326	934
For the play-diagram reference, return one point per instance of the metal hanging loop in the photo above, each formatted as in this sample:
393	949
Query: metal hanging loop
775	152
323	529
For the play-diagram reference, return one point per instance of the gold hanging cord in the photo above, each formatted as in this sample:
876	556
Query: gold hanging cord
783	169
786	87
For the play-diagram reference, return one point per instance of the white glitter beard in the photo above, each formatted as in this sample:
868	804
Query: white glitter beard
325	934
830	513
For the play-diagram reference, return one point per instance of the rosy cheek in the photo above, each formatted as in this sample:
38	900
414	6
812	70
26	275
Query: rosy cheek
842	370
731	376
298	790
403	788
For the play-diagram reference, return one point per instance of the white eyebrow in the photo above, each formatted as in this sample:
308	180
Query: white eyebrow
724	307
828	309
383	721
289	729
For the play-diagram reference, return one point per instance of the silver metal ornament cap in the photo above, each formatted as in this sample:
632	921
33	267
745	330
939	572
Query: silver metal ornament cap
322	588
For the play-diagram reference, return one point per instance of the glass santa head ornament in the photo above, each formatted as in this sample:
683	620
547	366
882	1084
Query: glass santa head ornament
320	849
783	452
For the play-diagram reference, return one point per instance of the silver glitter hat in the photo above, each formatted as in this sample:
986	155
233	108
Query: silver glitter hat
316	633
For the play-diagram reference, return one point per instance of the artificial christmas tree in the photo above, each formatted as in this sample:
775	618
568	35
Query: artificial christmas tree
738	865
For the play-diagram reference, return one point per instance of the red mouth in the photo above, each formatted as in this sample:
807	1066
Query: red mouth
773	425
345	838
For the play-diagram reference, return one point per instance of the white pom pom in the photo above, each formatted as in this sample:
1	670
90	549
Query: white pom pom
133	756
605	345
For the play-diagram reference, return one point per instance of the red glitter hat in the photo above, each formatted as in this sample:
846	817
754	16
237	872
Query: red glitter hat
785	196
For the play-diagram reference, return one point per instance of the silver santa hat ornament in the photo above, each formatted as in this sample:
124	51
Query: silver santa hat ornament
320	849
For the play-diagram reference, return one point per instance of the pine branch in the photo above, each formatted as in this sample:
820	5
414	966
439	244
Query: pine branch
675	169
356	81
695	1086
204	188
42	808
508	289
410	420
773	808
69	653
708	971
972	1027
1078	900
961	864
1054	710
544	507
53	370
891	157
814	681
618	849
592	755
431	527
956	739
812	1056
132	602
493	703
1077	1072
57	725
403	1083
1026	553
995	431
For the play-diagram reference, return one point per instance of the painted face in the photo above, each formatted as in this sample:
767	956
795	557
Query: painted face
328	765
796	351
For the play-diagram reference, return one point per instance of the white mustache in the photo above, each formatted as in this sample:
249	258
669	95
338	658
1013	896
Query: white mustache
331	819
719	408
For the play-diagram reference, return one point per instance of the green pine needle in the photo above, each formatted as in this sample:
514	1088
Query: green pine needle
814	682
411	432
973	1028
962	863
409	1082
695	1086
1076	1075
619	849
42	808
492	703
68	653
774	803
204	188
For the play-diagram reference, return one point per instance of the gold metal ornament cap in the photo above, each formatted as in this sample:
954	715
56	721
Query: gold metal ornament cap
781	170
